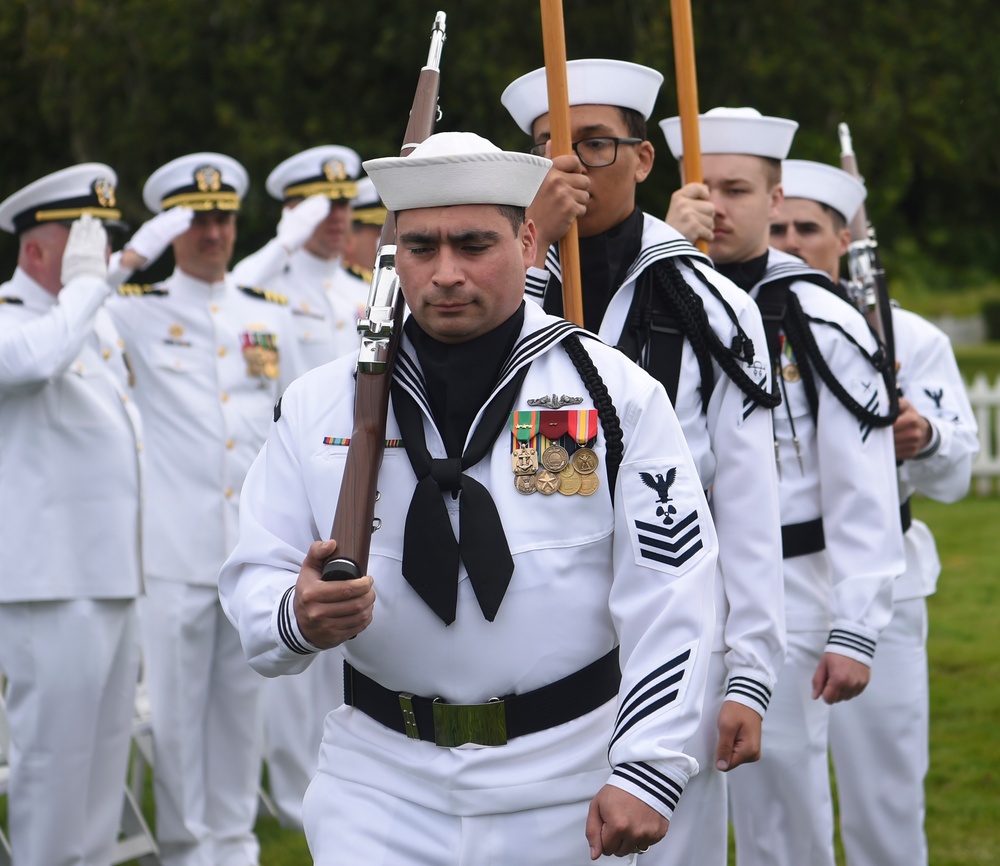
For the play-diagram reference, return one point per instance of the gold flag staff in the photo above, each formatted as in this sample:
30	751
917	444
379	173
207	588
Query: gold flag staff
554	47
687	93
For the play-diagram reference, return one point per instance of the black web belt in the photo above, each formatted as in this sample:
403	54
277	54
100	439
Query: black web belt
798	539
488	724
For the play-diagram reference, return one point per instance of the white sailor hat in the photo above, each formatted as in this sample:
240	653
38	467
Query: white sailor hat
63	195
590	82
453	168
735	130
200	181
329	170
826	184
366	206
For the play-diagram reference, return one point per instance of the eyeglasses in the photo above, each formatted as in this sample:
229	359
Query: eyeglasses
593	152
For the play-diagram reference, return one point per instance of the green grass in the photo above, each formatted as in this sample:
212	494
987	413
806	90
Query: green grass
979	358
963	787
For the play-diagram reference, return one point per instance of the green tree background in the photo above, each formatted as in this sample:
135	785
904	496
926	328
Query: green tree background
137	82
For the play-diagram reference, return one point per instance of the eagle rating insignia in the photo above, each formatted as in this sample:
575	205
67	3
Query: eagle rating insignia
667	525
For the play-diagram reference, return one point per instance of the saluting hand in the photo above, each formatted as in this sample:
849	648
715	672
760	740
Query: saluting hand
692	212
562	198
739	736
330	612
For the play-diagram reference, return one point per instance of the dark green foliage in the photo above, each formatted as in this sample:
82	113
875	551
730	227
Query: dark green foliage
137	82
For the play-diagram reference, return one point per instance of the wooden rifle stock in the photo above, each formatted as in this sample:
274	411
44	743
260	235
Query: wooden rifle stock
381	329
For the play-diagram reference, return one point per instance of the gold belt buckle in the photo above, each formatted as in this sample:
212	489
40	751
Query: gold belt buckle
481	724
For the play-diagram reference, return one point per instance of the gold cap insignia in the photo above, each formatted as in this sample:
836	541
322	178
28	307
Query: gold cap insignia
104	189
208	178
333	169
176	331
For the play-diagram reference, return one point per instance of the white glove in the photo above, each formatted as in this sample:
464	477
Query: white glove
86	250
154	236
298	223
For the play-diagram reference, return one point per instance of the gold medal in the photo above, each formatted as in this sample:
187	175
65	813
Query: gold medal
546	482
524	484
570	482
589	484
790	372
524	460
555	458
584	460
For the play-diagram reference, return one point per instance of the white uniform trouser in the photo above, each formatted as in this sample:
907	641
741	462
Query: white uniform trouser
71	669
880	749
295	709
699	829
781	805
349	824
207	730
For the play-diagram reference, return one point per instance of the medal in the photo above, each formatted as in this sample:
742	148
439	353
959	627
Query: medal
524	484
555	458
524	460
584	460
570	481
589	484
790	373
546	482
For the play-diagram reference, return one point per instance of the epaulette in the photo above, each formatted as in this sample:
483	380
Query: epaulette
11	300
359	272
139	290
265	295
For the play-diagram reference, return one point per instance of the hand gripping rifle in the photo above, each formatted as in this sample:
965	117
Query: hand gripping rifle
381	328
867	284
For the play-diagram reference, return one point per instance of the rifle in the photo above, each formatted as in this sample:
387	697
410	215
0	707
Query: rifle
380	329
867	283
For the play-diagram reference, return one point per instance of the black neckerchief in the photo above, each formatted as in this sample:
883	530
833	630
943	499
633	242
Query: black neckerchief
461	376
431	552
745	274
604	263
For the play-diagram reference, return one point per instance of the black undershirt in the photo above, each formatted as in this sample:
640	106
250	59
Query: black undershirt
745	274
604	262
461	376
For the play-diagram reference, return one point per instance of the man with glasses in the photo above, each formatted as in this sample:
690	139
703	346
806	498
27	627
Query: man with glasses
648	291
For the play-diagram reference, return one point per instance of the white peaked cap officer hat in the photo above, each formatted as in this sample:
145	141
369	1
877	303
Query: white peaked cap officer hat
200	181
455	168
63	195
590	82
367	206
817	181
735	130
329	170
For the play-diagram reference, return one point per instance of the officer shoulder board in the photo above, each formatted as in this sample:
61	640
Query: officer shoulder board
265	295
140	290
780	309
359	272
11	300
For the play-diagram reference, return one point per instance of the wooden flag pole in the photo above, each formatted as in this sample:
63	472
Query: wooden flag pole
554	45
687	93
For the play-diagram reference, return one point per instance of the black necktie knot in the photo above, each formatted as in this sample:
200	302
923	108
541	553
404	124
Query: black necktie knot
447	473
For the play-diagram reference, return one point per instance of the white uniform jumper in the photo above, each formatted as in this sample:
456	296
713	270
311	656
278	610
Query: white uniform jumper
587	576
837	599
326	301
732	441
879	740
70	493
209	363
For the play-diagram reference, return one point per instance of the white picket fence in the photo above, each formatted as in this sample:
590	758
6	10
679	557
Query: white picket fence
985	399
